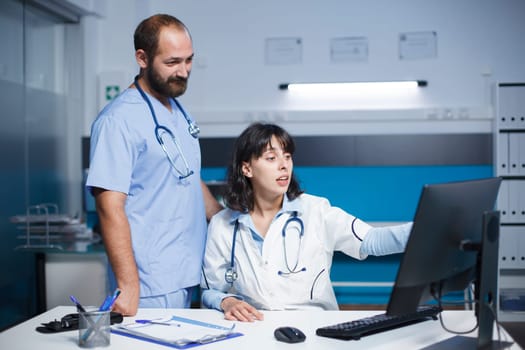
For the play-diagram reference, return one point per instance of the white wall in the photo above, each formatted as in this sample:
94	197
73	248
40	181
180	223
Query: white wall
479	42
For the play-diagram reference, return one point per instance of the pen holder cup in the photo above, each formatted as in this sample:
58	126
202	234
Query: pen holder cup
94	329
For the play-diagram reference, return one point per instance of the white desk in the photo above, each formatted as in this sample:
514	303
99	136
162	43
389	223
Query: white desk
259	335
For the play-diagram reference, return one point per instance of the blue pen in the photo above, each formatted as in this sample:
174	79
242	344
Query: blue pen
79	306
109	301
113	299
105	303
157	322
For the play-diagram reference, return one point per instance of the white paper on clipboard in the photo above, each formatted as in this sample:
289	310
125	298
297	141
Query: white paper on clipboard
176	331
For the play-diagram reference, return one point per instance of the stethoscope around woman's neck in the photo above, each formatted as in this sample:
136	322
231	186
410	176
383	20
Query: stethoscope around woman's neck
231	272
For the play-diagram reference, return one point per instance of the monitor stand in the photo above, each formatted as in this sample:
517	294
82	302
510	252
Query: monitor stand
485	290
486	283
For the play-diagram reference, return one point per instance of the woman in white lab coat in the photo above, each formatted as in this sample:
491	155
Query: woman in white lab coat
272	247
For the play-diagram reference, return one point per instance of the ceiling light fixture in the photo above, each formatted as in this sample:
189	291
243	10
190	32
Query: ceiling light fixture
351	86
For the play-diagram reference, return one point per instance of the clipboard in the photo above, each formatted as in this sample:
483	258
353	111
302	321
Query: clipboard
176	332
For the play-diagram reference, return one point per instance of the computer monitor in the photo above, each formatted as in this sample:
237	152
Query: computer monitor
445	251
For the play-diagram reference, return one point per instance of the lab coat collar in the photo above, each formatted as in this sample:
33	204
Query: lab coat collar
288	207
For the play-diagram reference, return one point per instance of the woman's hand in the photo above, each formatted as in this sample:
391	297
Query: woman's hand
238	310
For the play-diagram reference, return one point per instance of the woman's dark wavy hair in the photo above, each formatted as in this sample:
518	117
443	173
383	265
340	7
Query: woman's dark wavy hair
251	144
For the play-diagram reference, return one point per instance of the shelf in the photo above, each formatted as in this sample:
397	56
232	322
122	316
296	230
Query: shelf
509	162
45	228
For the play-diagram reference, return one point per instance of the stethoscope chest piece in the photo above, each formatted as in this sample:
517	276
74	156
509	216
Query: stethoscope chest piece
231	275
193	129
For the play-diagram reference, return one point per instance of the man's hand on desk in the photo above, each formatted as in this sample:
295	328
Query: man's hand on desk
238	310
128	302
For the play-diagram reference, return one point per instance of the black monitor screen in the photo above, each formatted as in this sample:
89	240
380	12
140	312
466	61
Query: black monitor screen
433	262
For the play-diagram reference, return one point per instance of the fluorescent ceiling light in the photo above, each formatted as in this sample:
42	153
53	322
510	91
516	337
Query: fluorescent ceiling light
352	86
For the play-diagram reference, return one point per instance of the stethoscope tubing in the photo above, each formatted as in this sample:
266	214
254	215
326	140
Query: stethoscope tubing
193	130
231	272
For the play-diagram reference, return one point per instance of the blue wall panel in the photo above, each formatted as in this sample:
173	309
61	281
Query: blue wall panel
374	193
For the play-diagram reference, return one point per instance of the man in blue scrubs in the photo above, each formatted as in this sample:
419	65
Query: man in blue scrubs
151	202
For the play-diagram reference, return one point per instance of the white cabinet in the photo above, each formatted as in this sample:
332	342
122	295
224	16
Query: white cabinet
509	163
81	275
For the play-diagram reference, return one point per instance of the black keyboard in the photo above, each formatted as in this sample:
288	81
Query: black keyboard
377	323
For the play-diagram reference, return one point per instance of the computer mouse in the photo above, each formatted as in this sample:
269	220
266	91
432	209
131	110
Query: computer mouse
289	334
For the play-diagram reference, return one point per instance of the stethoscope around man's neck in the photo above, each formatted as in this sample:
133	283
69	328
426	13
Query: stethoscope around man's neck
193	129
231	272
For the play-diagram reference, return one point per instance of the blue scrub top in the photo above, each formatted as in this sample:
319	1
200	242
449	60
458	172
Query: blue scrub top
166	215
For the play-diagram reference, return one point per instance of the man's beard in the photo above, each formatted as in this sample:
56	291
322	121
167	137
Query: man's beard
172	87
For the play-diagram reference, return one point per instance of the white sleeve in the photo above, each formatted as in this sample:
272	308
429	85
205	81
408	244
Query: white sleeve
339	230
217	261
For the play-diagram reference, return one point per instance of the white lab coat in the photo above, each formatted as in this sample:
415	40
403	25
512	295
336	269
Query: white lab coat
326	229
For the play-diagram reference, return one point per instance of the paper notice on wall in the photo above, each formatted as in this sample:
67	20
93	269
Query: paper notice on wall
349	49
417	45
280	51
